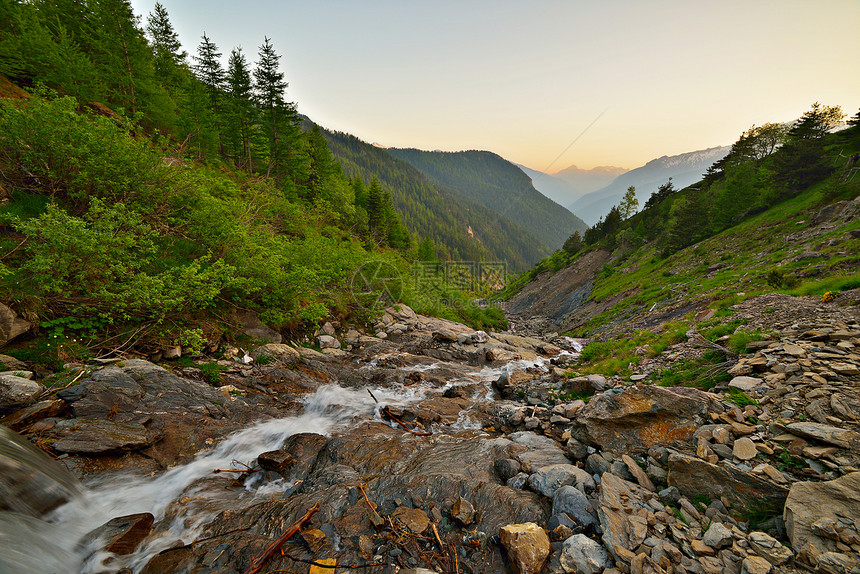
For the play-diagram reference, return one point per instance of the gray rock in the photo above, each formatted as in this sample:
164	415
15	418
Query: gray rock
718	536
278	352
769	548
745	384
571	501
519	481
575	449
90	436
328	342
596	464
582	555
670	496
548	479
507	468
829	434
16	392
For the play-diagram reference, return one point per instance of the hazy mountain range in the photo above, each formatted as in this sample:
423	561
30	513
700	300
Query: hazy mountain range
569	184
684	169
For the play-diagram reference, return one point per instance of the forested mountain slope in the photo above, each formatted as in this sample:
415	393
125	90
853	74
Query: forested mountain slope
464	229
499	185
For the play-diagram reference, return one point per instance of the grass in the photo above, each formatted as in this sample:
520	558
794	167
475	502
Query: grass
740	398
212	372
704	373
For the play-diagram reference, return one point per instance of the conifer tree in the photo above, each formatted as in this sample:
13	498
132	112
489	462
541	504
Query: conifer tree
270	88
166	46
209	71
241	109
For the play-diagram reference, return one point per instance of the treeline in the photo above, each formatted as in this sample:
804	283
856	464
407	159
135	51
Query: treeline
768	164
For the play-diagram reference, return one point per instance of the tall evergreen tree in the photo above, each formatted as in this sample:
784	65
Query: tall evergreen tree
209	71
240	108
280	116
166	46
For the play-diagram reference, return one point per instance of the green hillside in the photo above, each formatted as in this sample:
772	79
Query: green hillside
780	213
496	183
462	228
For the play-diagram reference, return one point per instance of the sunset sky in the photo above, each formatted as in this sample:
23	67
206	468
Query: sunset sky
525	78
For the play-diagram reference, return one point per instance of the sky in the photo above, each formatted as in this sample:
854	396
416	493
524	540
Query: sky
545	83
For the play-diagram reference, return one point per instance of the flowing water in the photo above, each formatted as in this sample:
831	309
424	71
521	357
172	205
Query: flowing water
30	545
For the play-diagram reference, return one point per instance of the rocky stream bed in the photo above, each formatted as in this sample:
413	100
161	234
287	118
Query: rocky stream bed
431	447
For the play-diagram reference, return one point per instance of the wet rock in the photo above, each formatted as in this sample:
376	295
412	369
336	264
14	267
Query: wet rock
527	546
23	418
582	555
296	457
415	519
31	483
694	476
637	418
122	535
277	352
16	392
548	479
95	437
463	511
572	502
810	502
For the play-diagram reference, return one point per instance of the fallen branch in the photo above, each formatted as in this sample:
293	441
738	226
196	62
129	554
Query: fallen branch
72	382
260	561
387	413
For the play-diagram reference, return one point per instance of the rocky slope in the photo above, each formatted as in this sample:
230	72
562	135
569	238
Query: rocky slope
485	453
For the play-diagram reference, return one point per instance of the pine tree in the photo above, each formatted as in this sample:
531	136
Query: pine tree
241	108
270	88
166	47
209	71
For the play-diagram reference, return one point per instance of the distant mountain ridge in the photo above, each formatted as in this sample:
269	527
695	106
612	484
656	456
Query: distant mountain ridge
498	184
461	228
684	169
571	183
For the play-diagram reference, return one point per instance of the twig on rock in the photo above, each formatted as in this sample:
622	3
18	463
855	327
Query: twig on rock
260	561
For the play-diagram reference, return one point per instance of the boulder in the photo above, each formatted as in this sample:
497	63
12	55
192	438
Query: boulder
572	502
124	534
16	392
718	536
280	353
254	328
11	325
527	546
582	555
93	437
328	342
743	490
637	418
622	525
769	548
840	437
415	519
809	503
548	479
